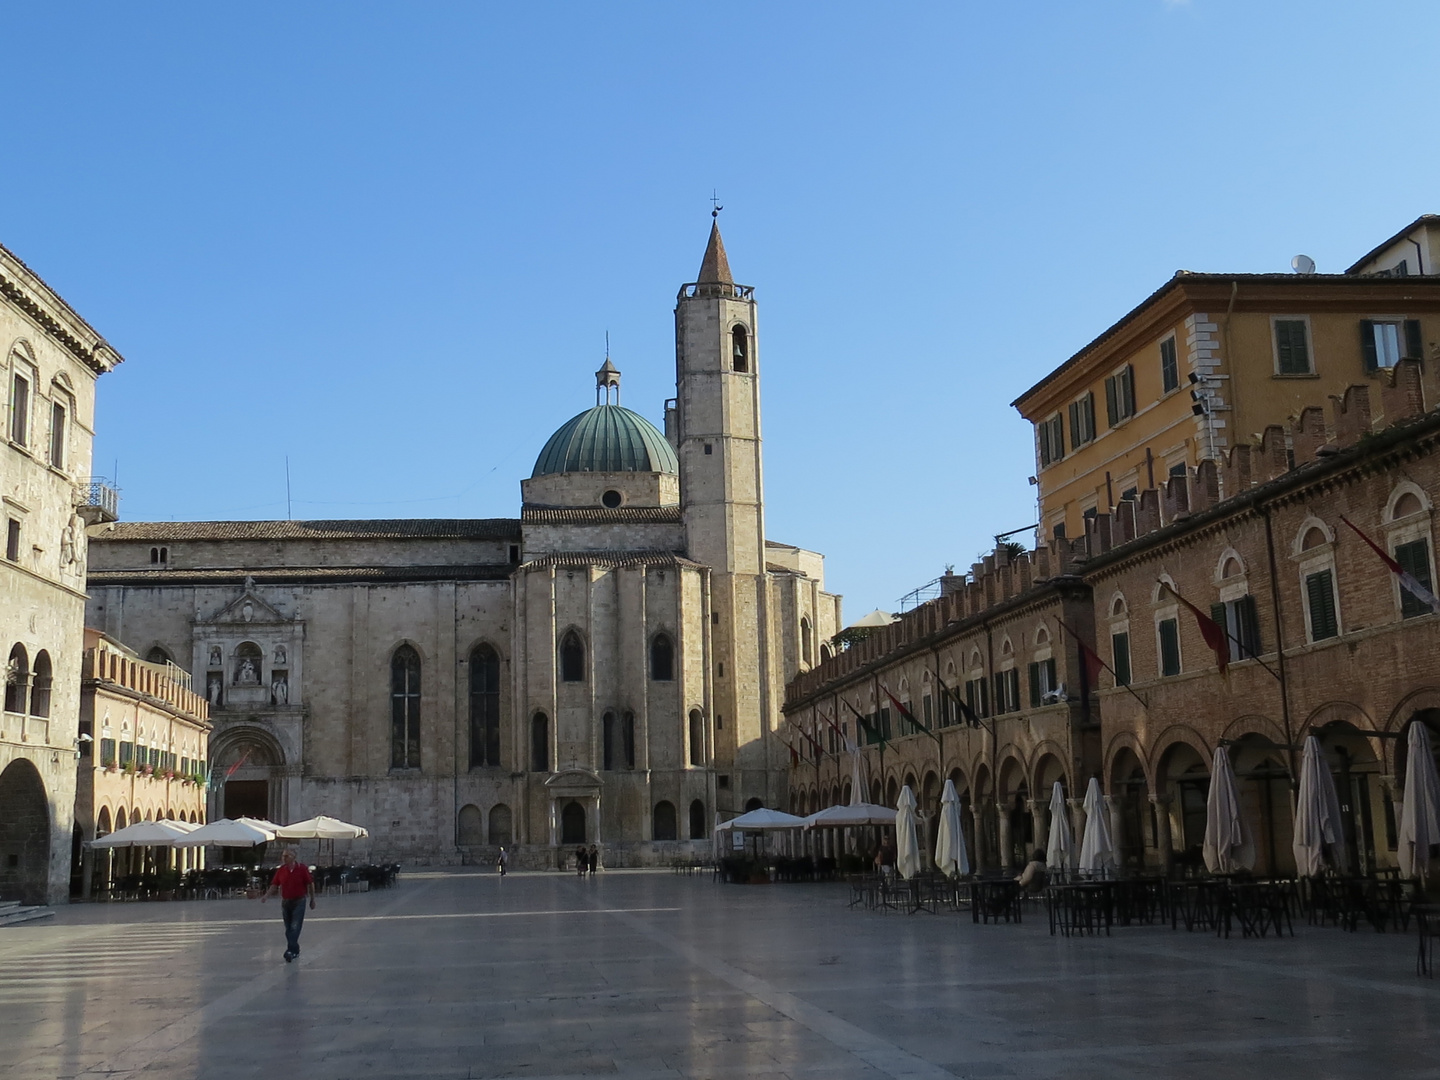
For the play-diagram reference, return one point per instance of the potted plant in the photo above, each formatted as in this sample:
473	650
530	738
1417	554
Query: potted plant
130	767
108	764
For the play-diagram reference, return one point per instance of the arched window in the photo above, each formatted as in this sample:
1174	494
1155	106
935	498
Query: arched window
753	804
741	342
572	824
608	735
484	707
248	661
628	735
17	680
662	658
102	823
697	737
572	658
157	655
665	827
805	655
539	743
500	824
824	653
697	820
405	708
470	834
40	686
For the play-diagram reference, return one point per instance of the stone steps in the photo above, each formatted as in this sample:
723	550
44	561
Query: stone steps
12	913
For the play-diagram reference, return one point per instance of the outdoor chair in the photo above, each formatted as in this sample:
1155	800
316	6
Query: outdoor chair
995	899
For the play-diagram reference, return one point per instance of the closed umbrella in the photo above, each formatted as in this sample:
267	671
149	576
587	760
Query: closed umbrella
1097	850
226	833
1228	846
1317	814
1061	848
146	834
1420	807
321	828
907	842
950	854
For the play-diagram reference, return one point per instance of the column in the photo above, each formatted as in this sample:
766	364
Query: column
1163	844
1117	830
1038	827
977	826
1006	853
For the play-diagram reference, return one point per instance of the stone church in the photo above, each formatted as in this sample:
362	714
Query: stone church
608	668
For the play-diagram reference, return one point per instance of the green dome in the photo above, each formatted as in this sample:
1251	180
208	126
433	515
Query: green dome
606	438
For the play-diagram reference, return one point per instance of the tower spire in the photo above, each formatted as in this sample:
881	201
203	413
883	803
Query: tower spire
608	376
715	267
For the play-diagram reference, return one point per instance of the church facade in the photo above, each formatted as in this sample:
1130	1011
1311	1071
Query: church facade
606	669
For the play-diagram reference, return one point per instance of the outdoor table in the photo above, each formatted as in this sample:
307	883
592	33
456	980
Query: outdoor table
995	898
1259	906
1141	900
1427	923
1081	907
1197	903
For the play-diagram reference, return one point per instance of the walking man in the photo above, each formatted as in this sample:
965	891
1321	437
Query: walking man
502	863
295	885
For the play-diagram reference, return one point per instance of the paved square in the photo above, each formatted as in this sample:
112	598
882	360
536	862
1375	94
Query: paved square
648	975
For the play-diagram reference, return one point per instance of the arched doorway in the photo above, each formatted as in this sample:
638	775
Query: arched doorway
1264	781
248	764
572	823
1130	796
24	835
470	832
697	820
1184	776
1356	769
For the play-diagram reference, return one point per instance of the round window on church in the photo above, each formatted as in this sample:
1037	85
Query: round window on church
611	498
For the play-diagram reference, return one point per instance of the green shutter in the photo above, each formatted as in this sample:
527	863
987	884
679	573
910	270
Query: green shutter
1291	347
1367	344
1051	683
1217	613
1321	591
1127	387
1120	658
1247	615
1414	346
1112	402
1034	686
1075	425
1169	647
1012	699
1414	559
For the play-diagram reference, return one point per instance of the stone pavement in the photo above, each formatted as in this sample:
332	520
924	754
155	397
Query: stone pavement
648	975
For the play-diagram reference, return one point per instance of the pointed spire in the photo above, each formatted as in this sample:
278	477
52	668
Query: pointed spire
715	268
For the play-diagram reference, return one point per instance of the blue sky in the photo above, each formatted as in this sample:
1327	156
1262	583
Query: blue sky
388	240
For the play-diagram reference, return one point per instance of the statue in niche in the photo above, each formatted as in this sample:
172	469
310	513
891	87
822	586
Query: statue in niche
248	676
279	688
213	683
280	655
69	537
215	659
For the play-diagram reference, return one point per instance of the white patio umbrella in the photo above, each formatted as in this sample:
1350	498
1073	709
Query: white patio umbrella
839	817
762	820
950	854
1317	815
1097	849
907	841
321	828
159	833
1228	846
1420	806
259	823
224	832
1061	847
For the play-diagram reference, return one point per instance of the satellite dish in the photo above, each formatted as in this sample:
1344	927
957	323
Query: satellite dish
1302	264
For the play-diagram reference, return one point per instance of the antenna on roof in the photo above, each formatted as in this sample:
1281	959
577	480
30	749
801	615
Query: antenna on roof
1302	264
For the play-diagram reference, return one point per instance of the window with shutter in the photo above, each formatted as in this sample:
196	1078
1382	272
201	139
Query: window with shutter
999	693
1247	620
1035	690
1126	385
1169	366
1012	688
1169	647
1292	347
1414	559
1112	401
1120	658
1414	346
1047	675
1320	590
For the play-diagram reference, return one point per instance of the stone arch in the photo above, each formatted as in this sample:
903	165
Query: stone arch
1011	775
469	832
698	820
929	793
666	827
571	655
892	792
1254	724
1126	740
1159	595
1230	564
1049	759
1302	535
24	834
1182	776
500	831
1398	492
1117	606
1172	736
573	823
256	788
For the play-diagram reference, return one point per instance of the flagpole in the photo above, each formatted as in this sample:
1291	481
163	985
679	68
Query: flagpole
1223	629
1081	642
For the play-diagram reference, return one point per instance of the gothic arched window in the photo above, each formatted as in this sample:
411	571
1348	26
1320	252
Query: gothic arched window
697	737
405	708
17	680
40	686
665	824
741	342
539	743
662	658
572	658
697	820
484	706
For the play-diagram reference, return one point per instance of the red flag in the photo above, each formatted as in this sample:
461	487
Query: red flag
1407	579
907	714
243	758
1213	633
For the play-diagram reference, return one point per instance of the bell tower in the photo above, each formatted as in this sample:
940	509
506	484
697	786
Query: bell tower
716	432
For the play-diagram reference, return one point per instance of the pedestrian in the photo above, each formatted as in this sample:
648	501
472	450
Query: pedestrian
594	858
295	885
581	860
502	863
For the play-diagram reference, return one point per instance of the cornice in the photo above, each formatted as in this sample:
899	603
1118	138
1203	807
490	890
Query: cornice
99	358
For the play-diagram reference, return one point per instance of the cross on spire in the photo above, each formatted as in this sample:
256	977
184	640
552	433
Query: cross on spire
715	202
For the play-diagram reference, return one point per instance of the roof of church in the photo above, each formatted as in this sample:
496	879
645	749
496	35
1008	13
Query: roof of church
296	575
715	267
613	559
607	438
599	515
380	528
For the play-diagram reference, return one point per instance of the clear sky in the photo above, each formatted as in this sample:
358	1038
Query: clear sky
388	240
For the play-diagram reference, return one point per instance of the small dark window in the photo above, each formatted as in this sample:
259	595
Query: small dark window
157	655
572	658
1169	368
665	824
57	435
539	743
514	553
1169	647
20	410
17	679
662	658
697	820
484	707
1120	396
741	341
715	618
611	499
1320	589
12	541
1120	658
1414	559
1292	347
722	781
697	737
720	669
709	449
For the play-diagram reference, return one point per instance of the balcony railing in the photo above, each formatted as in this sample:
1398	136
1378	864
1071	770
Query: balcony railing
99	501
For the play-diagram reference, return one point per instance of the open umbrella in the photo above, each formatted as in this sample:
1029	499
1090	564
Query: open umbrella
321	828
1061	848
226	833
950	854
1228	846
146	834
839	817
1317	814
1097	850
1420	807
907	842
762	820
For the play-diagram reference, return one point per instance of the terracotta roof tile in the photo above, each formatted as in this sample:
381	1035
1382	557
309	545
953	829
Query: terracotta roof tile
377	529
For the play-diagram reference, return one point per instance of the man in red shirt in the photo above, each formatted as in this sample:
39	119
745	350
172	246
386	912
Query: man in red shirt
295	885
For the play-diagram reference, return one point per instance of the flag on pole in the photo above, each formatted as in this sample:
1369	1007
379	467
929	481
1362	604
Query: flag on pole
231	771
907	714
961	705
1213	633
1408	581
870	730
